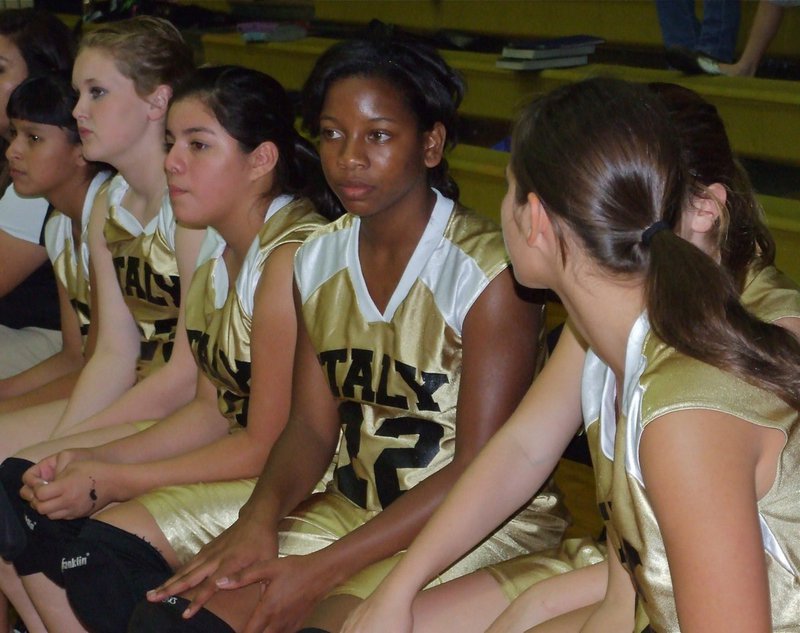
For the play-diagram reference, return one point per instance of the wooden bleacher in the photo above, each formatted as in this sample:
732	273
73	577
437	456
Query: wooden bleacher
762	116
629	23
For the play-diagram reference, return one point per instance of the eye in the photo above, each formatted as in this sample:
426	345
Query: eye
198	146
12	133
96	92
379	136
329	134
34	138
168	146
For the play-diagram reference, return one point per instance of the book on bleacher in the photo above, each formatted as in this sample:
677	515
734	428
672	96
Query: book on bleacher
539	64
569	46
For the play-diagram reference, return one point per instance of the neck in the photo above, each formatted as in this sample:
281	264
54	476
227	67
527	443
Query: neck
142	165
241	226
70	198
401	227
604	313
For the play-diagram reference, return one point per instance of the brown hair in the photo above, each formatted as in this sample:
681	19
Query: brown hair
743	239
605	161
148	50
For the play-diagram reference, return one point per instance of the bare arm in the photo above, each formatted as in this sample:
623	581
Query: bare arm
18	259
171	386
42	377
112	368
704	472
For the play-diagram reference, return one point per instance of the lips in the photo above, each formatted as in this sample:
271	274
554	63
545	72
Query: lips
15	173
353	190
175	191
84	132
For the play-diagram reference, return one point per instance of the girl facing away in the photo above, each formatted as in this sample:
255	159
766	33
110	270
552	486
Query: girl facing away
237	165
124	75
683	459
31	42
722	218
412	338
46	161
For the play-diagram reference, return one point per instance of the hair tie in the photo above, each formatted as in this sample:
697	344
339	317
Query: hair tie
650	231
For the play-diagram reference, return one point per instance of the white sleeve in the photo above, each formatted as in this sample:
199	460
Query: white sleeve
22	217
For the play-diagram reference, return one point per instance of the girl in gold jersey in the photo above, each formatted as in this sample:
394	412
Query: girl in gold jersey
124	76
234	164
45	160
722	219
412	339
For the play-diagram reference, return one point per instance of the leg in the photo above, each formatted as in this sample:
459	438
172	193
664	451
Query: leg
330	613
468	604
51	604
21	429
116	558
571	622
719	29
765	25
553	597
678	22
14	592
86	439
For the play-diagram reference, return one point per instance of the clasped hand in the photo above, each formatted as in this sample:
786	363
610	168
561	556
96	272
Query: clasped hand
67	485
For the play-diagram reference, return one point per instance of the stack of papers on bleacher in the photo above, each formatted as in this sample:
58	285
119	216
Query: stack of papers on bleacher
560	52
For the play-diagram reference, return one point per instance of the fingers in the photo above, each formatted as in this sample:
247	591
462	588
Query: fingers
191	575
255	572
200	596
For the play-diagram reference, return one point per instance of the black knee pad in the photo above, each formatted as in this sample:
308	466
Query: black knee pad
44	539
13	535
107	572
166	617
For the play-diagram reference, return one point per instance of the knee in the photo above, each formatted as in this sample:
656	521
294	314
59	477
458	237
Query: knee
167	617
106	572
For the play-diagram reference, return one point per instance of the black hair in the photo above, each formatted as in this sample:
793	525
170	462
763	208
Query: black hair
432	90
254	108
45	42
47	99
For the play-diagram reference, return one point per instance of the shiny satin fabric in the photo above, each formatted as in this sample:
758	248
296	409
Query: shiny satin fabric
147	271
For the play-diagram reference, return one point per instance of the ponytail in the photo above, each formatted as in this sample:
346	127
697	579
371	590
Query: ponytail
606	162
693	306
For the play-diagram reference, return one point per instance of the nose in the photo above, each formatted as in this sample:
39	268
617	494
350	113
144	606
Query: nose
173	161
78	112
13	148
352	154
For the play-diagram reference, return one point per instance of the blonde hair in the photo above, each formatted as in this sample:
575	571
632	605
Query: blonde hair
150	51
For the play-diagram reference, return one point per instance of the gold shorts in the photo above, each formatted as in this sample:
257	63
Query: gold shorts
518	574
325	517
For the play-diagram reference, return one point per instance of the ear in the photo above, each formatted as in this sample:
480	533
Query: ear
433	144
158	100
538	222
702	217
76	156
263	159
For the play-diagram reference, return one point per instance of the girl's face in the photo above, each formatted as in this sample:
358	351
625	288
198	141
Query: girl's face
372	151
41	158
111	115
205	165
13	70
